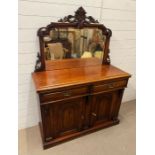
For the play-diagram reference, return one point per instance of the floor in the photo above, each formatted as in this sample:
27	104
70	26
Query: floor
116	140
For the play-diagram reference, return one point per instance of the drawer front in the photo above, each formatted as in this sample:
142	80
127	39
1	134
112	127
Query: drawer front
109	86
58	95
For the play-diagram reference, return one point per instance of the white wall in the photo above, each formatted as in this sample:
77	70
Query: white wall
118	15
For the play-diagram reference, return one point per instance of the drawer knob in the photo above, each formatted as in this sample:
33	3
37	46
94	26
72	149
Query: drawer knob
94	114
111	86
67	94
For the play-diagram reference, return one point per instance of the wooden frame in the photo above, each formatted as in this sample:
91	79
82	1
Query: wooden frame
79	20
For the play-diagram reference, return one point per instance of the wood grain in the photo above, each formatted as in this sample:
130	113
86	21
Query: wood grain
71	63
47	80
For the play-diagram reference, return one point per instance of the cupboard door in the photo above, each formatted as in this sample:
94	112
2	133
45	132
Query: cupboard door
48	122
104	107
62	118
69	116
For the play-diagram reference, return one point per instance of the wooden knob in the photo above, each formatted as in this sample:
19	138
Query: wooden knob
94	114
67	94
111	86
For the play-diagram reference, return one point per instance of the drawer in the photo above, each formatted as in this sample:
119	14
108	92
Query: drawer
109	86
58	95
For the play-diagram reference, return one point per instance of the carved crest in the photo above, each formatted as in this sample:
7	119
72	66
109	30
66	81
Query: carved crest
79	18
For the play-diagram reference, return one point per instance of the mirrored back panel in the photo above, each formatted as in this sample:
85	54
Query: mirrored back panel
75	40
66	43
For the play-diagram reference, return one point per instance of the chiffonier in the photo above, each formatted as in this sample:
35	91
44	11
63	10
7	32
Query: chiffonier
79	90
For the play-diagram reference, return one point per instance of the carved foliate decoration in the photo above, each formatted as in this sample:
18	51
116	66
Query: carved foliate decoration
108	33
108	57
38	63
79	18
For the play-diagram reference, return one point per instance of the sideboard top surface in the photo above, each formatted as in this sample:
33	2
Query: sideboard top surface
47	80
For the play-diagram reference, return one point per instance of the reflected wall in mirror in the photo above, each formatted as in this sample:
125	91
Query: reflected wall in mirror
63	43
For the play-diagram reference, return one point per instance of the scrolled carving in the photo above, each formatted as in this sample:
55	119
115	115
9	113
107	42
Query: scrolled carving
68	18
79	18
108	57
90	19
42	31
38	63
108	33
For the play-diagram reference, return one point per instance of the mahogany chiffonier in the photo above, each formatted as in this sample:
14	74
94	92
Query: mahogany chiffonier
79	90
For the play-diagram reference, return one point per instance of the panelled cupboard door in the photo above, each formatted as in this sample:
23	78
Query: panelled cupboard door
48	120
70	116
105	106
62	118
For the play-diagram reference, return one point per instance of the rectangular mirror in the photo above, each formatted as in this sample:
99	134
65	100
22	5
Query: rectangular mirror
67	43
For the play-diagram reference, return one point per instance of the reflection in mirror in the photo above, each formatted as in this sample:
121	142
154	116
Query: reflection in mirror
62	43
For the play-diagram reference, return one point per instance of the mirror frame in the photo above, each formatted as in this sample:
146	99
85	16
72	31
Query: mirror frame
79	21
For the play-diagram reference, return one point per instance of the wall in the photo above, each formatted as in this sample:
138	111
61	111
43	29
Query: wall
117	15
